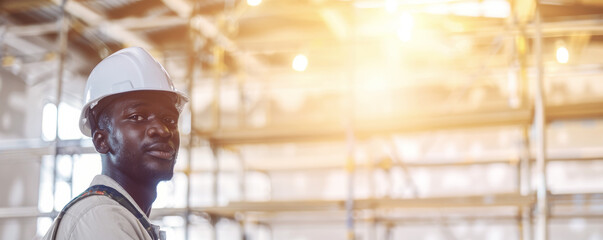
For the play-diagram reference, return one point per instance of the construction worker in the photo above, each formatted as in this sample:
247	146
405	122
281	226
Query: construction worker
131	113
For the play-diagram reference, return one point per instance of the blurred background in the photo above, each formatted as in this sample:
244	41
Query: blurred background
325	119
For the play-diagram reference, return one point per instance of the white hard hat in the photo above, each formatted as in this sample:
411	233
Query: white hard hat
127	70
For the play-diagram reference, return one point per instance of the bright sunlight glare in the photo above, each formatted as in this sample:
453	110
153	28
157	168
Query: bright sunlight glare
49	122
300	62
405	27
391	5
254	2
562	55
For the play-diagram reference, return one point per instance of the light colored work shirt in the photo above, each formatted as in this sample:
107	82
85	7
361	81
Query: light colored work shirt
100	218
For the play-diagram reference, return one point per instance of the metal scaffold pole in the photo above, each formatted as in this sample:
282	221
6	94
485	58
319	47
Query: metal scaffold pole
540	135
523	188
350	164
190	82
62	42
348	114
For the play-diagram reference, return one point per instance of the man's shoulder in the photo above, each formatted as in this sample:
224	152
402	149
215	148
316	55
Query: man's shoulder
91	204
98	214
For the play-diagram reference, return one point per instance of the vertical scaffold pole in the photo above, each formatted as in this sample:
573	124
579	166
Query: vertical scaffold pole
350	165
525	213
350	161
348	114
215	173
63	30
540	135
192	56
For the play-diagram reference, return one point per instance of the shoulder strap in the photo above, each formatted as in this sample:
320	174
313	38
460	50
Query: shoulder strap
113	194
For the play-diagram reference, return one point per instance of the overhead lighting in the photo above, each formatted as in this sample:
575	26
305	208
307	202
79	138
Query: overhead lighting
368	4
254	2
300	63
469	9
496	8
562	54
441	9
391	5
405	27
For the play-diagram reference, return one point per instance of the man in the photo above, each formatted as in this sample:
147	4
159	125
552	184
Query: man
131	113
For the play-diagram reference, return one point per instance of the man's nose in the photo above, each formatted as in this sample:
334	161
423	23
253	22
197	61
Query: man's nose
158	128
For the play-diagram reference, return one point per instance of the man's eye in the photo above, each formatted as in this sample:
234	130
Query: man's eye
170	120
136	117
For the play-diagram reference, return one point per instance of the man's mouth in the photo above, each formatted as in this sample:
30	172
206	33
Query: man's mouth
161	151
161	154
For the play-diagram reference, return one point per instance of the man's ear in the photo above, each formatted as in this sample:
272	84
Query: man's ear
99	138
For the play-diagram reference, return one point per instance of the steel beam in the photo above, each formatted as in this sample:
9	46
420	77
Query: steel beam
403	124
542	207
113	30
30	147
494	200
126	23
206	27
369	128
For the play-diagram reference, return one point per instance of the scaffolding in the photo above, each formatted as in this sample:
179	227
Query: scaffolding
533	205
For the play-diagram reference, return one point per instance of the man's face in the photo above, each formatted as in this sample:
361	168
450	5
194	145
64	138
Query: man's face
143	136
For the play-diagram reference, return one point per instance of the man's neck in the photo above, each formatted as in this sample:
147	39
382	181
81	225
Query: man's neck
144	194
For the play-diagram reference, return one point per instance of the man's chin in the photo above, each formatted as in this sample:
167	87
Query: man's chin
165	173
163	176
167	176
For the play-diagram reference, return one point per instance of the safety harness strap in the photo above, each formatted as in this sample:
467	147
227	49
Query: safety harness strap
113	194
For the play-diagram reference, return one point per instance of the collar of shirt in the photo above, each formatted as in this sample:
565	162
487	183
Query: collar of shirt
109	182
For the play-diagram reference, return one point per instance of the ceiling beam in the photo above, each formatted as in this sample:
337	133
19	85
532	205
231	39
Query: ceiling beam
563	28
33	30
126	23
287	39
23	46
111	29
206	27
150	23
367	129
22	5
